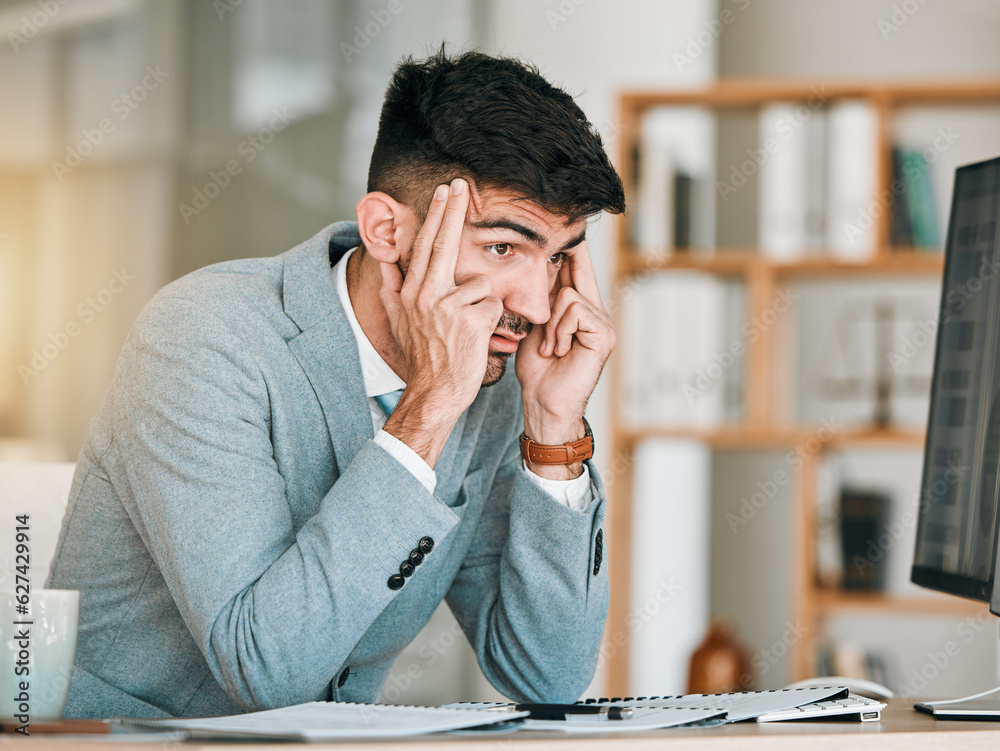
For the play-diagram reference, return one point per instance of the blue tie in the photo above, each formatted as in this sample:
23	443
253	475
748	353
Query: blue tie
388	401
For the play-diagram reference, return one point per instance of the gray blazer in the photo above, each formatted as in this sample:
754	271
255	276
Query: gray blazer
232	526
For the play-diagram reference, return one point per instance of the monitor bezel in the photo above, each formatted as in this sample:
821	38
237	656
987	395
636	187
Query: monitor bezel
952	584
924	576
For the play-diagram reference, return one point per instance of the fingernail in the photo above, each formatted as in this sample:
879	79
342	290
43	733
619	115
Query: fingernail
440	192
457	186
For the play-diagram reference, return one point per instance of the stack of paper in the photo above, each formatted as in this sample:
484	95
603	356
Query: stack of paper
327	721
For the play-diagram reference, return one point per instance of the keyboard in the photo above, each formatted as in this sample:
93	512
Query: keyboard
779	704
867	710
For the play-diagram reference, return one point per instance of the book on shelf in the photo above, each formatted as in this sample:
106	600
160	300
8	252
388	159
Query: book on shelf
901	226
852	201
684	350
683	188
914	209
654	210
672	199
815	174
792	186
863	514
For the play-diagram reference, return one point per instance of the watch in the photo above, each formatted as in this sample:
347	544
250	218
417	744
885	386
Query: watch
563	453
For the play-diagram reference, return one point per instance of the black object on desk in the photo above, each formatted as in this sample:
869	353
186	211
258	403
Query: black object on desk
567	711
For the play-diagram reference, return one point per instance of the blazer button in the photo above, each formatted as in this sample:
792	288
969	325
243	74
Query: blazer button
343	677
396	581
426	545
406	569
416	557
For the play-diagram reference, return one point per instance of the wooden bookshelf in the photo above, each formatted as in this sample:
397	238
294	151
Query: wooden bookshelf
759	429
740	262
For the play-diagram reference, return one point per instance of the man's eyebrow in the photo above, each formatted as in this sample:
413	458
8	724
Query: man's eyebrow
575	241
525	232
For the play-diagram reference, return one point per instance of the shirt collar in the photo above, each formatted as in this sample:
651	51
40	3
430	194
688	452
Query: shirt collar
379	378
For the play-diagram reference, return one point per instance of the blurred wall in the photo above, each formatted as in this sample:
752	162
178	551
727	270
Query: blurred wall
141	140
863	38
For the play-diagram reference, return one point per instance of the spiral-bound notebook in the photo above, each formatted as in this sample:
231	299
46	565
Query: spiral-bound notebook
327	721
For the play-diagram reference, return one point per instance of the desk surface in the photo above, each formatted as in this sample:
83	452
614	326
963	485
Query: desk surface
901	727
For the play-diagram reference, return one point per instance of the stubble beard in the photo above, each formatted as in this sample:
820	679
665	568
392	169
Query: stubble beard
496	366
496	362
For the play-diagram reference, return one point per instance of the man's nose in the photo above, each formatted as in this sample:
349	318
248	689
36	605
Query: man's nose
527	294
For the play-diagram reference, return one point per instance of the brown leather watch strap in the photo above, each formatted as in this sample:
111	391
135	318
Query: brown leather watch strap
563	453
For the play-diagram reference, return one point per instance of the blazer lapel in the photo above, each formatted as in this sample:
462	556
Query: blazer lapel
326	348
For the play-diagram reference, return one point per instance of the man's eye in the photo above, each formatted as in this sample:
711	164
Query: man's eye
557	258
499	249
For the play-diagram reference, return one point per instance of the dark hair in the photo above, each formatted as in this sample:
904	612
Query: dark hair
497	122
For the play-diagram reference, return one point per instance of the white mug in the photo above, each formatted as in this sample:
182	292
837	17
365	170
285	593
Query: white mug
37	648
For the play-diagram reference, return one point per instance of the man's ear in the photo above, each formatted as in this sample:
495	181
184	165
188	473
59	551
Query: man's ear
386	226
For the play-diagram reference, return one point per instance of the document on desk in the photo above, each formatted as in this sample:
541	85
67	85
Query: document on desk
329	721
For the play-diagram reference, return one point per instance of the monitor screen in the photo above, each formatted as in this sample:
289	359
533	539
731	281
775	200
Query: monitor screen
957	528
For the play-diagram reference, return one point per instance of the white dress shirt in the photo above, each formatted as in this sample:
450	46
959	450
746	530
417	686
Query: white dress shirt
380	379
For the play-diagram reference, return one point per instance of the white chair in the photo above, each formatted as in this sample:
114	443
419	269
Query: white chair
40	490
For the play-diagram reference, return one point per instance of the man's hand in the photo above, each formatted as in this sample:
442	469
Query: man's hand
558	364
442	329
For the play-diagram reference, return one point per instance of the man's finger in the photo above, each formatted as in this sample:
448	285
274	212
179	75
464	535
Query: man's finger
444	254
563	279
424	242
472	290
491	309
564	298
584	276
578	322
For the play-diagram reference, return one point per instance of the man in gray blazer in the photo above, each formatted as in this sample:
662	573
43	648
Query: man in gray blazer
299	457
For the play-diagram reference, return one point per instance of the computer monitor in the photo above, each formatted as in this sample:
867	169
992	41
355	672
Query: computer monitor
957	530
